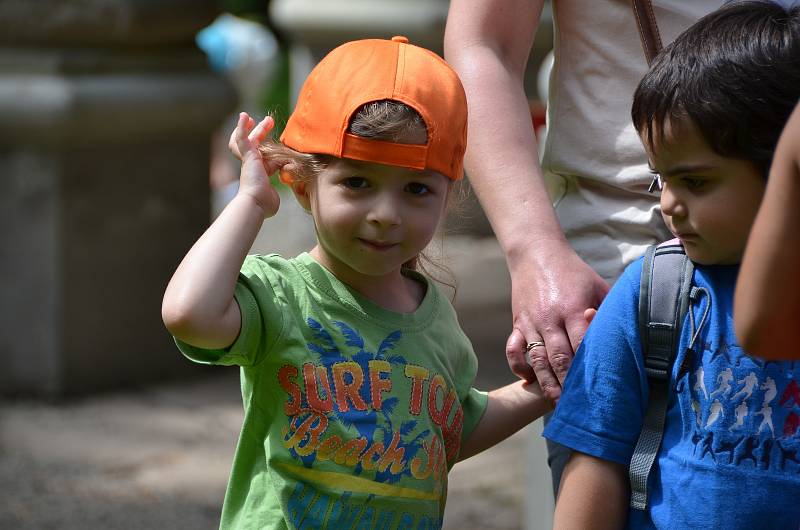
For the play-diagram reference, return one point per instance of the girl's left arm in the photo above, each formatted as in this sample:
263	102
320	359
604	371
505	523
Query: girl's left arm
509	409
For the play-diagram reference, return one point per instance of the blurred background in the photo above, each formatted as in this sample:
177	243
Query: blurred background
114	119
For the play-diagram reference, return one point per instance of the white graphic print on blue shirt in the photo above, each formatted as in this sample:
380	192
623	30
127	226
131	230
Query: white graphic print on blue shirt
729	457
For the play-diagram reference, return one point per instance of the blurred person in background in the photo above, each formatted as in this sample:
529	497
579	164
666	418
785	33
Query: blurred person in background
248	54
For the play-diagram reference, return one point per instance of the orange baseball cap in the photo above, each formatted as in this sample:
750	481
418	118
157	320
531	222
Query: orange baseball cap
363	71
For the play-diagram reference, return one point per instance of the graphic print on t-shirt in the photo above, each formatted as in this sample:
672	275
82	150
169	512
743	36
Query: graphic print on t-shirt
750	414
374	415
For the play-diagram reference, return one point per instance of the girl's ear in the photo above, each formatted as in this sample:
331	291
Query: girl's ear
298	187
301	193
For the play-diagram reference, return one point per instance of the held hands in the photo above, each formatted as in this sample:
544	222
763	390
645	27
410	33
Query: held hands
552	304
254	178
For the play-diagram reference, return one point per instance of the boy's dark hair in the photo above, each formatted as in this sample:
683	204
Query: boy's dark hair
735	74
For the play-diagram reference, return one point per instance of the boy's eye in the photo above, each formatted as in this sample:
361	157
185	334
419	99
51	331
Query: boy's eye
417	188
356	182
693	183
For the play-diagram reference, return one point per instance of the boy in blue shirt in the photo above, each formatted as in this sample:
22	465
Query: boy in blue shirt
709	113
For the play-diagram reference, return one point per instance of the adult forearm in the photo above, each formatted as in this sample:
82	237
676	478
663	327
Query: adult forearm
488	44
502	159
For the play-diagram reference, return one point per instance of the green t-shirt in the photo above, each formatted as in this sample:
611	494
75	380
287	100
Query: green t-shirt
353	414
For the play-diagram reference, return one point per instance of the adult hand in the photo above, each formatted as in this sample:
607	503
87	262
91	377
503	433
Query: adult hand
254	177
553	297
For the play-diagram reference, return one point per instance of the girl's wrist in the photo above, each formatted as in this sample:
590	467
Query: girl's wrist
251	201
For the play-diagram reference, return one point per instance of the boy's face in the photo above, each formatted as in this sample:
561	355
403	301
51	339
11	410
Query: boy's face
708	201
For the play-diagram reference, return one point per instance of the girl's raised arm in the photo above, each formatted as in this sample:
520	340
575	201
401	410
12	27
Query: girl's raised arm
198	306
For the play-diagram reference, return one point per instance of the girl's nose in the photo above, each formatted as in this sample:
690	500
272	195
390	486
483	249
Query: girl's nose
384	211
671	204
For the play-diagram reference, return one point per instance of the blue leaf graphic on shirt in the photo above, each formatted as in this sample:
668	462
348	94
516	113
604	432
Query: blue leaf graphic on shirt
352	336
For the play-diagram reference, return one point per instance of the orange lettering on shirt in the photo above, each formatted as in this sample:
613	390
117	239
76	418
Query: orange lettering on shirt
326	448
433	464
437	414
452	435
308	431
285	376
350	452
452	397
368	462
418	376
377	384
311	376
393	456
345	390
421	468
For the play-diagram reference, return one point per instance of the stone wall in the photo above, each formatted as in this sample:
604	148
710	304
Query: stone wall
106	114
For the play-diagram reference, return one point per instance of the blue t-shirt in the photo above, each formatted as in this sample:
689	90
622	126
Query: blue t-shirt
730	456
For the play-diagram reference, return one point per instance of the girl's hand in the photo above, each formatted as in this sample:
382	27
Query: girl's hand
254	177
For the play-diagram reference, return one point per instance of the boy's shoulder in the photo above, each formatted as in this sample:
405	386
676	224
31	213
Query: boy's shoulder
627	285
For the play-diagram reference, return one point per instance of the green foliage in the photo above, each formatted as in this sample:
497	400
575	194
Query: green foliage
255	10
276	94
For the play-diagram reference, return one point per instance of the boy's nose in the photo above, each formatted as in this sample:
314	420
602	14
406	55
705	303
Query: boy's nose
671	204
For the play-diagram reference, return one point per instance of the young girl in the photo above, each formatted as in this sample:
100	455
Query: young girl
356	377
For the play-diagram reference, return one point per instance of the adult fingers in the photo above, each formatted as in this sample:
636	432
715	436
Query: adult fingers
540	363
559	352
516	356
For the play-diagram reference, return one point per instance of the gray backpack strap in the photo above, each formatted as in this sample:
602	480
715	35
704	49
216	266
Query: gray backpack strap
663	301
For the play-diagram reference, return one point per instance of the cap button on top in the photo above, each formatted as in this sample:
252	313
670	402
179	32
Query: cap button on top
400	38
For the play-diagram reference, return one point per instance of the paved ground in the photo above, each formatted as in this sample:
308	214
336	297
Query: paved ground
159	457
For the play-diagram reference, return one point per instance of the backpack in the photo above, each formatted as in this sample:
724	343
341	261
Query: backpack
664	297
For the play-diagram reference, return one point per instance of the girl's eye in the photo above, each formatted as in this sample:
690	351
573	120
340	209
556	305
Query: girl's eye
417	188
356	182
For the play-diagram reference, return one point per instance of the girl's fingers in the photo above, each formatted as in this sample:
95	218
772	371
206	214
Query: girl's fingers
241	132
261	130
232	144
248	135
